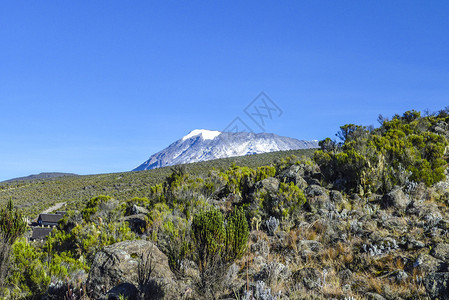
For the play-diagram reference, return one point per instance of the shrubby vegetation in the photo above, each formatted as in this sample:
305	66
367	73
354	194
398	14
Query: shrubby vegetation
12	226
34	196
407	148
356	218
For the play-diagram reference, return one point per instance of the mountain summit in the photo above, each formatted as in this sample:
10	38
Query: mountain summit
203	144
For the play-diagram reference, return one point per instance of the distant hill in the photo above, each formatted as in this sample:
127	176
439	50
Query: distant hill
33	196
203	145
44	175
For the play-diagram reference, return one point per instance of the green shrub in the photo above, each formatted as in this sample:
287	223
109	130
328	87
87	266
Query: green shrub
12	226
92	206
29	278
372	160
208	237
237	233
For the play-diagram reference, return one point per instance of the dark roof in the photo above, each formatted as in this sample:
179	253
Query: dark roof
50	218
39	233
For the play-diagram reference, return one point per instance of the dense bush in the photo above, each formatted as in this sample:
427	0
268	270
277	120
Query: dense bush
371	160
236	234
216	246
208	237
12	226
31	273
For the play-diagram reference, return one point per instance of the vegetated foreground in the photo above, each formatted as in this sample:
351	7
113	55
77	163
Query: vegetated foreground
364	218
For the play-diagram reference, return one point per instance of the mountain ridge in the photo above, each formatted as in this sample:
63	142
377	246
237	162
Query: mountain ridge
202	145
42	175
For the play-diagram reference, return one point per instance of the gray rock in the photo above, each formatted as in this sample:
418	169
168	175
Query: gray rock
301	183
345	276
317	199
117	264
396	224
311	245
401	276
294	174
269	184
429	264
258	262
261	248
336	196
315	190
440	251
127	289
266	189
310	278
395	199
135	210
437	285
374	296
313	181
413	244
137	223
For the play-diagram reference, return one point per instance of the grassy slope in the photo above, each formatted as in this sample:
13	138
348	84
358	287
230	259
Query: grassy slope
35	196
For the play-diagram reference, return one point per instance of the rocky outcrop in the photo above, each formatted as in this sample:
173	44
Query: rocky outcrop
137	223
294	174
437	285
317	199
135	210
441	251
395	199
115	271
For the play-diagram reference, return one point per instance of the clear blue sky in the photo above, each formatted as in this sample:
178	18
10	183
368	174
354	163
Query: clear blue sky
98	86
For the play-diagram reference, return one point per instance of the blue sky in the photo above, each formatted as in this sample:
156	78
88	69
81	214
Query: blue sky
98	86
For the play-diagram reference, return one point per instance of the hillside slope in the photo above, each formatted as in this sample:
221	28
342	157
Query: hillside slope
36	195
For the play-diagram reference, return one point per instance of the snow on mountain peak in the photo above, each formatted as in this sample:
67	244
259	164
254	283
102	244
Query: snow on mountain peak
206	134
216	144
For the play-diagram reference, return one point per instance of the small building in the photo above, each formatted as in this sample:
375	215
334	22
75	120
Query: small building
49	219
40	233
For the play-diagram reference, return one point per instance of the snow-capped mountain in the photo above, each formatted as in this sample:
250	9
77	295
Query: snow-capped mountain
202	144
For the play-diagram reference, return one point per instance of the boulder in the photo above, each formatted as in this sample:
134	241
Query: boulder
336	196
137	223
437	285
395	199
428	264
264	189
115	268
310	278
345	276
308	245
294	174
122	289
135	210
374	296
269	184
317	199
441	251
